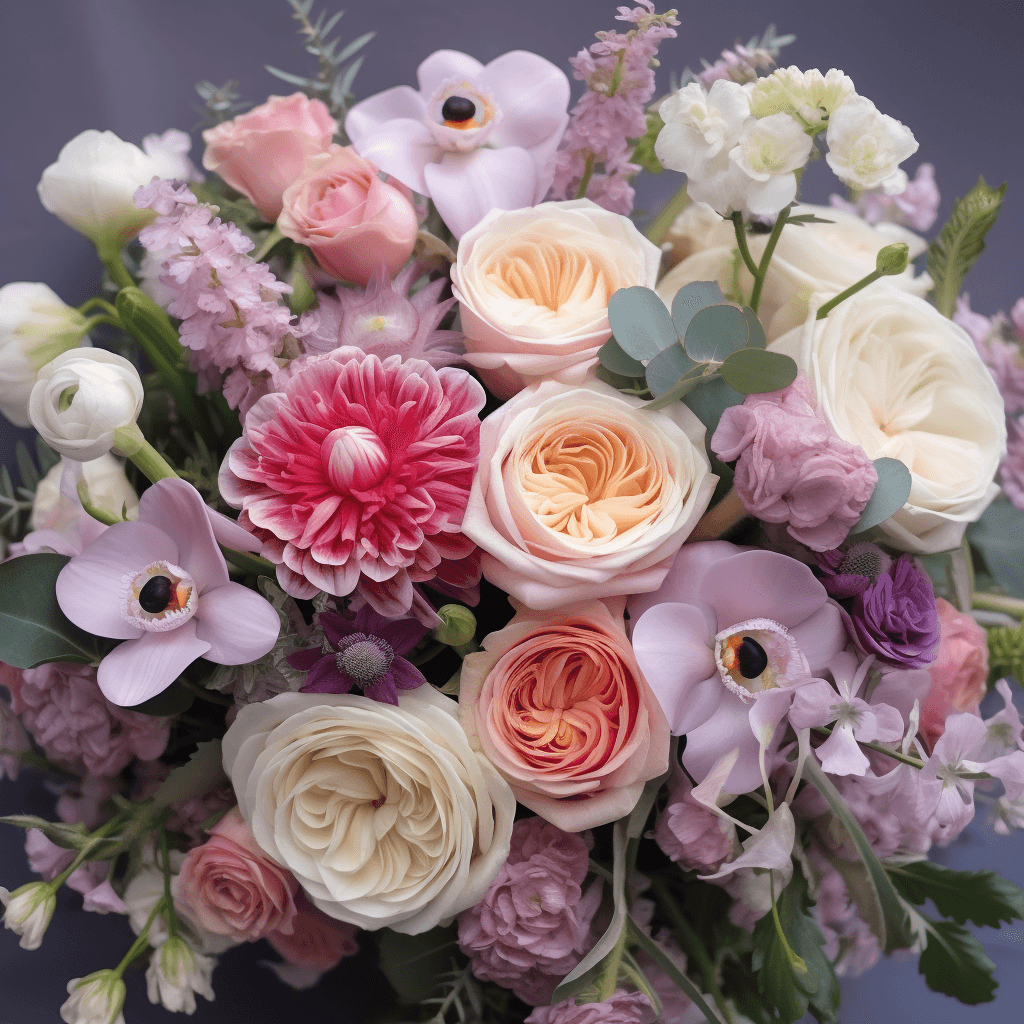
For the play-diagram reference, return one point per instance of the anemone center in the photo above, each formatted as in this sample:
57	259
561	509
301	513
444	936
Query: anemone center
755	656
160	597
355	458
365	658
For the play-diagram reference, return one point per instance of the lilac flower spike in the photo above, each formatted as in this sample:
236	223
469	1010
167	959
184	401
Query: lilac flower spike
161	585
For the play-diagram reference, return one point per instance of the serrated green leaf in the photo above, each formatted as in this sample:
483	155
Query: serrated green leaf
753	371
415	964
715	332
962	241
667	368
889	496
285	76
203	773
622	363
954	963
982	897
640	322
710	400
691	298
33	629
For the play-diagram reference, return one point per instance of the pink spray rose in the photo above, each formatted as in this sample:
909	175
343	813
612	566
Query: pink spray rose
689	833
231	887
261	152
351	220
958	673
316	942
620	1008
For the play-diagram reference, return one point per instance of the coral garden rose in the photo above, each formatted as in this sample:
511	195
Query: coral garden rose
386	815
261	152
231	887
533	288
358	474
583	494
560	707
892	374
353	222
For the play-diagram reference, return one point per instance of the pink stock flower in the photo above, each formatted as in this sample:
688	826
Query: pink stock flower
959	672
621	1008
689	833
86	802
474	137
1011	469
357	476
64	711
998	343
13	737
161	584
916	207
231	887
793	468
315	944
532	926
261	152
353	222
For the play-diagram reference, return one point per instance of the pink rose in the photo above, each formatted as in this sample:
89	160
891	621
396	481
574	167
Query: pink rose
557	703
229	886
260	153
351	220
316	942
959	672
689	833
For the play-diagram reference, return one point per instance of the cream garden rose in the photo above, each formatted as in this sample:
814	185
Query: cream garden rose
533	287
385	815
809	258
581	493
893	375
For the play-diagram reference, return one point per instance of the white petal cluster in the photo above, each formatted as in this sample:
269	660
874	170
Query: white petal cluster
866	147
28	911
176	974
95	999
808	96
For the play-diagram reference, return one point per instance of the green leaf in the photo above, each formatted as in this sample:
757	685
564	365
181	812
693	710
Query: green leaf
168	703
666	369
415	964
888	497
640	322
691	298
808	218
615	359
982	897
755	329
752	371
962	241
715	332
616	380
67	837
26	467
351	48
203	773
954	963
45	456
889	921
302	83
681	389
643	151
342	86
33	629
997	536
710	400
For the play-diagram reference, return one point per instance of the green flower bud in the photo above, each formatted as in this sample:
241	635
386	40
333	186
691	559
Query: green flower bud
458	625
893	258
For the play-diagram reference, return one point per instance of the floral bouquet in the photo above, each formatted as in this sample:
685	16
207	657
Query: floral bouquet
595	622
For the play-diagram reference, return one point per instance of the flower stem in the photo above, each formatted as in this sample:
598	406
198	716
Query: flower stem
204	694
110	253
610	974
37	761
999	603
766	258
827	307
658	228
720	519
896	755
252	564
741	242
130	442
99	514
142	941
165	859
95	303
588	173
796	962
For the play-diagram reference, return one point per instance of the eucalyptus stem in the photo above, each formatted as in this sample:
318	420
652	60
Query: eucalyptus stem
741	242
827	307
766	258
659	227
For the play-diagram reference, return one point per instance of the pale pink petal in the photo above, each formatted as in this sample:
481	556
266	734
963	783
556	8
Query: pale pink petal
769	849
91	588
442	65
402	147
466	186
103	900
683	581
729	727
238	625
840	754
532	95
139	669
813	704
230	534
879	722
821	636
366	117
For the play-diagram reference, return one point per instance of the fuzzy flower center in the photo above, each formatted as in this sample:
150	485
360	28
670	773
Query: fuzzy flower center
160	597
864	559
754	656
355	458
365	658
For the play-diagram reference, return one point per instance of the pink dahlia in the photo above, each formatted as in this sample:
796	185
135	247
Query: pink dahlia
356	476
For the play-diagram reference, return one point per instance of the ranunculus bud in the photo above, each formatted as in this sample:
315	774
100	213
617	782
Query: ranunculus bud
95	999
458	625
81	398
893	259
35	326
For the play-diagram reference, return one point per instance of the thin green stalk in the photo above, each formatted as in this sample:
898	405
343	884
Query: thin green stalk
588	173
827	307
999	603
99	514
766	258
165	858
37	761
102	318
254	565
610	974
896	755
143	938
658	228
130	442
97	303
741	241
796	962
110	254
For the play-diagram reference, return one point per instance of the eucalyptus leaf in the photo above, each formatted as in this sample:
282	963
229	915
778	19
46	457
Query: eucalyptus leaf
715	332
710	400
691	298
888	497
755	329
615	359
666	369
203	773
640	322
617	381
752	371
681	390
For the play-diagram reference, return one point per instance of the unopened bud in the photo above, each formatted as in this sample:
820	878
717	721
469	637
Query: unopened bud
458	625
893	258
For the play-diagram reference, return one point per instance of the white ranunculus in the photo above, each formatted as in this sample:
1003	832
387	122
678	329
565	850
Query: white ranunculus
177	974
81	398
108	489
866	147
533	287
27	912
95	999
35	326
385	815
809	96
91	185
768	152
809	258
893	375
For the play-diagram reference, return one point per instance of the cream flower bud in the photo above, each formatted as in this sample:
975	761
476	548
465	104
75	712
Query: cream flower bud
35	326
81	398
28	912
809	96
95	999
866	147
176	974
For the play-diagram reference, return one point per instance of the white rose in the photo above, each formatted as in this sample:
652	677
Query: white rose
582	493
866	147
108	489
91	186
35	326
809	258
809	96
81	398
385	815
95	999
533	287
896	377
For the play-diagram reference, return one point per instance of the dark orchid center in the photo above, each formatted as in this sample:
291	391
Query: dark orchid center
458	109
156	595
751	657
365	658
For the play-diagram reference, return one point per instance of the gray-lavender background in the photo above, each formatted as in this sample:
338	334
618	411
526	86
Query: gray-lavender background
951	71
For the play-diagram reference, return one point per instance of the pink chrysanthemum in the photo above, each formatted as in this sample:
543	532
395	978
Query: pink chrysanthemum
356	476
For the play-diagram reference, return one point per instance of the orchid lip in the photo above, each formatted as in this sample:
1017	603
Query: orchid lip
757	644
182	597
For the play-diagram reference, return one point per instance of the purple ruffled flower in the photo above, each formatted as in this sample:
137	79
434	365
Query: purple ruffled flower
363	652
621	1008
848	573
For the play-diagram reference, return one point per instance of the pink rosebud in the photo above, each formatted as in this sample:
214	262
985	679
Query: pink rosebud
317	942
353	222
260	153
689	833
958	673
230	887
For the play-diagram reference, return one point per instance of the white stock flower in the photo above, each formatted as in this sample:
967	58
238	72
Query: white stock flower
81	398
866	147
893	375
28	911
35	326
176	974
809	96
769	150
95	999
170	150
